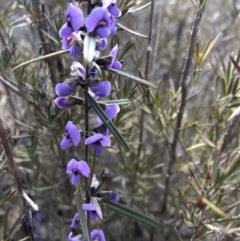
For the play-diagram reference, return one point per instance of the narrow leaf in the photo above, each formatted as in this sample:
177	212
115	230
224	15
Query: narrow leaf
40	58
89	48
235	63
82	217
118	102
133	77
132	32
105	120
131	213
215	208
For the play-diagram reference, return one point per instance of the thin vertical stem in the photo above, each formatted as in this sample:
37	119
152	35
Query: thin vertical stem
184	77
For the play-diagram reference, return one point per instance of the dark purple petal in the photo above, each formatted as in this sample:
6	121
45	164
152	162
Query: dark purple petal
72	165
76	17
92	139
114	10
63	89
65	31
90	208
75	178
97	146
102	32
102	44
83	168
113	53
75	221
75	50
115	197
62	103
65	143
102	89
97	235
105	141
73	133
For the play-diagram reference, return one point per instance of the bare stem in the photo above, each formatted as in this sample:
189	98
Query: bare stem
16	176
184	77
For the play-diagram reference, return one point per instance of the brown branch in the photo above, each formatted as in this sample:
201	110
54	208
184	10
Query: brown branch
16	176
227	236
184	77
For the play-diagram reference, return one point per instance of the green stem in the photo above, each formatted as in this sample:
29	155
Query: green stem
79	202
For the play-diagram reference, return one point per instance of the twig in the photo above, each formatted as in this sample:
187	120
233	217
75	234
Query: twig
227	236
149	50
16	176
185	73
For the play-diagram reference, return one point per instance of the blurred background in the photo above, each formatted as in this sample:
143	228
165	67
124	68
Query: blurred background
208	142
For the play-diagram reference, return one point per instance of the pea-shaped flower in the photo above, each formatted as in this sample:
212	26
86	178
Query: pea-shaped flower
99	21
76	169
98	141
72	136
74	20
94	209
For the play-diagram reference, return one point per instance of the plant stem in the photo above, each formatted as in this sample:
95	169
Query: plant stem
184	77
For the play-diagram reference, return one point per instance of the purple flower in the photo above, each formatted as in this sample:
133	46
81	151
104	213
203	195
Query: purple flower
76	238
72	136
102	89
75	221
110	111
74	20
114	64
94	209
64	89
97	234
63	103
76	169
109	195
98	141
99	21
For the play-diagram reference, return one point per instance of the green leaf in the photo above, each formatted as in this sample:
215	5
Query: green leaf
89	48
131	213
82	217
7	195
118	102
2	174
105	120
133	78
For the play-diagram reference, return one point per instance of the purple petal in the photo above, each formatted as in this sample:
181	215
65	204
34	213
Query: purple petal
65	44
117	65
88	207
94	18
76	17
113	53
62	103
92	139
75	50
83	168
97	146
110	111
102	89
105	141
102	44
97	235
115	197
75	178
75	221
65	143
102	32
63	89
65	31
72	165
77	69
114	10
73	133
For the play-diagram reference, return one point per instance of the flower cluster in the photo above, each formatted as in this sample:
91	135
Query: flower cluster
99	24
